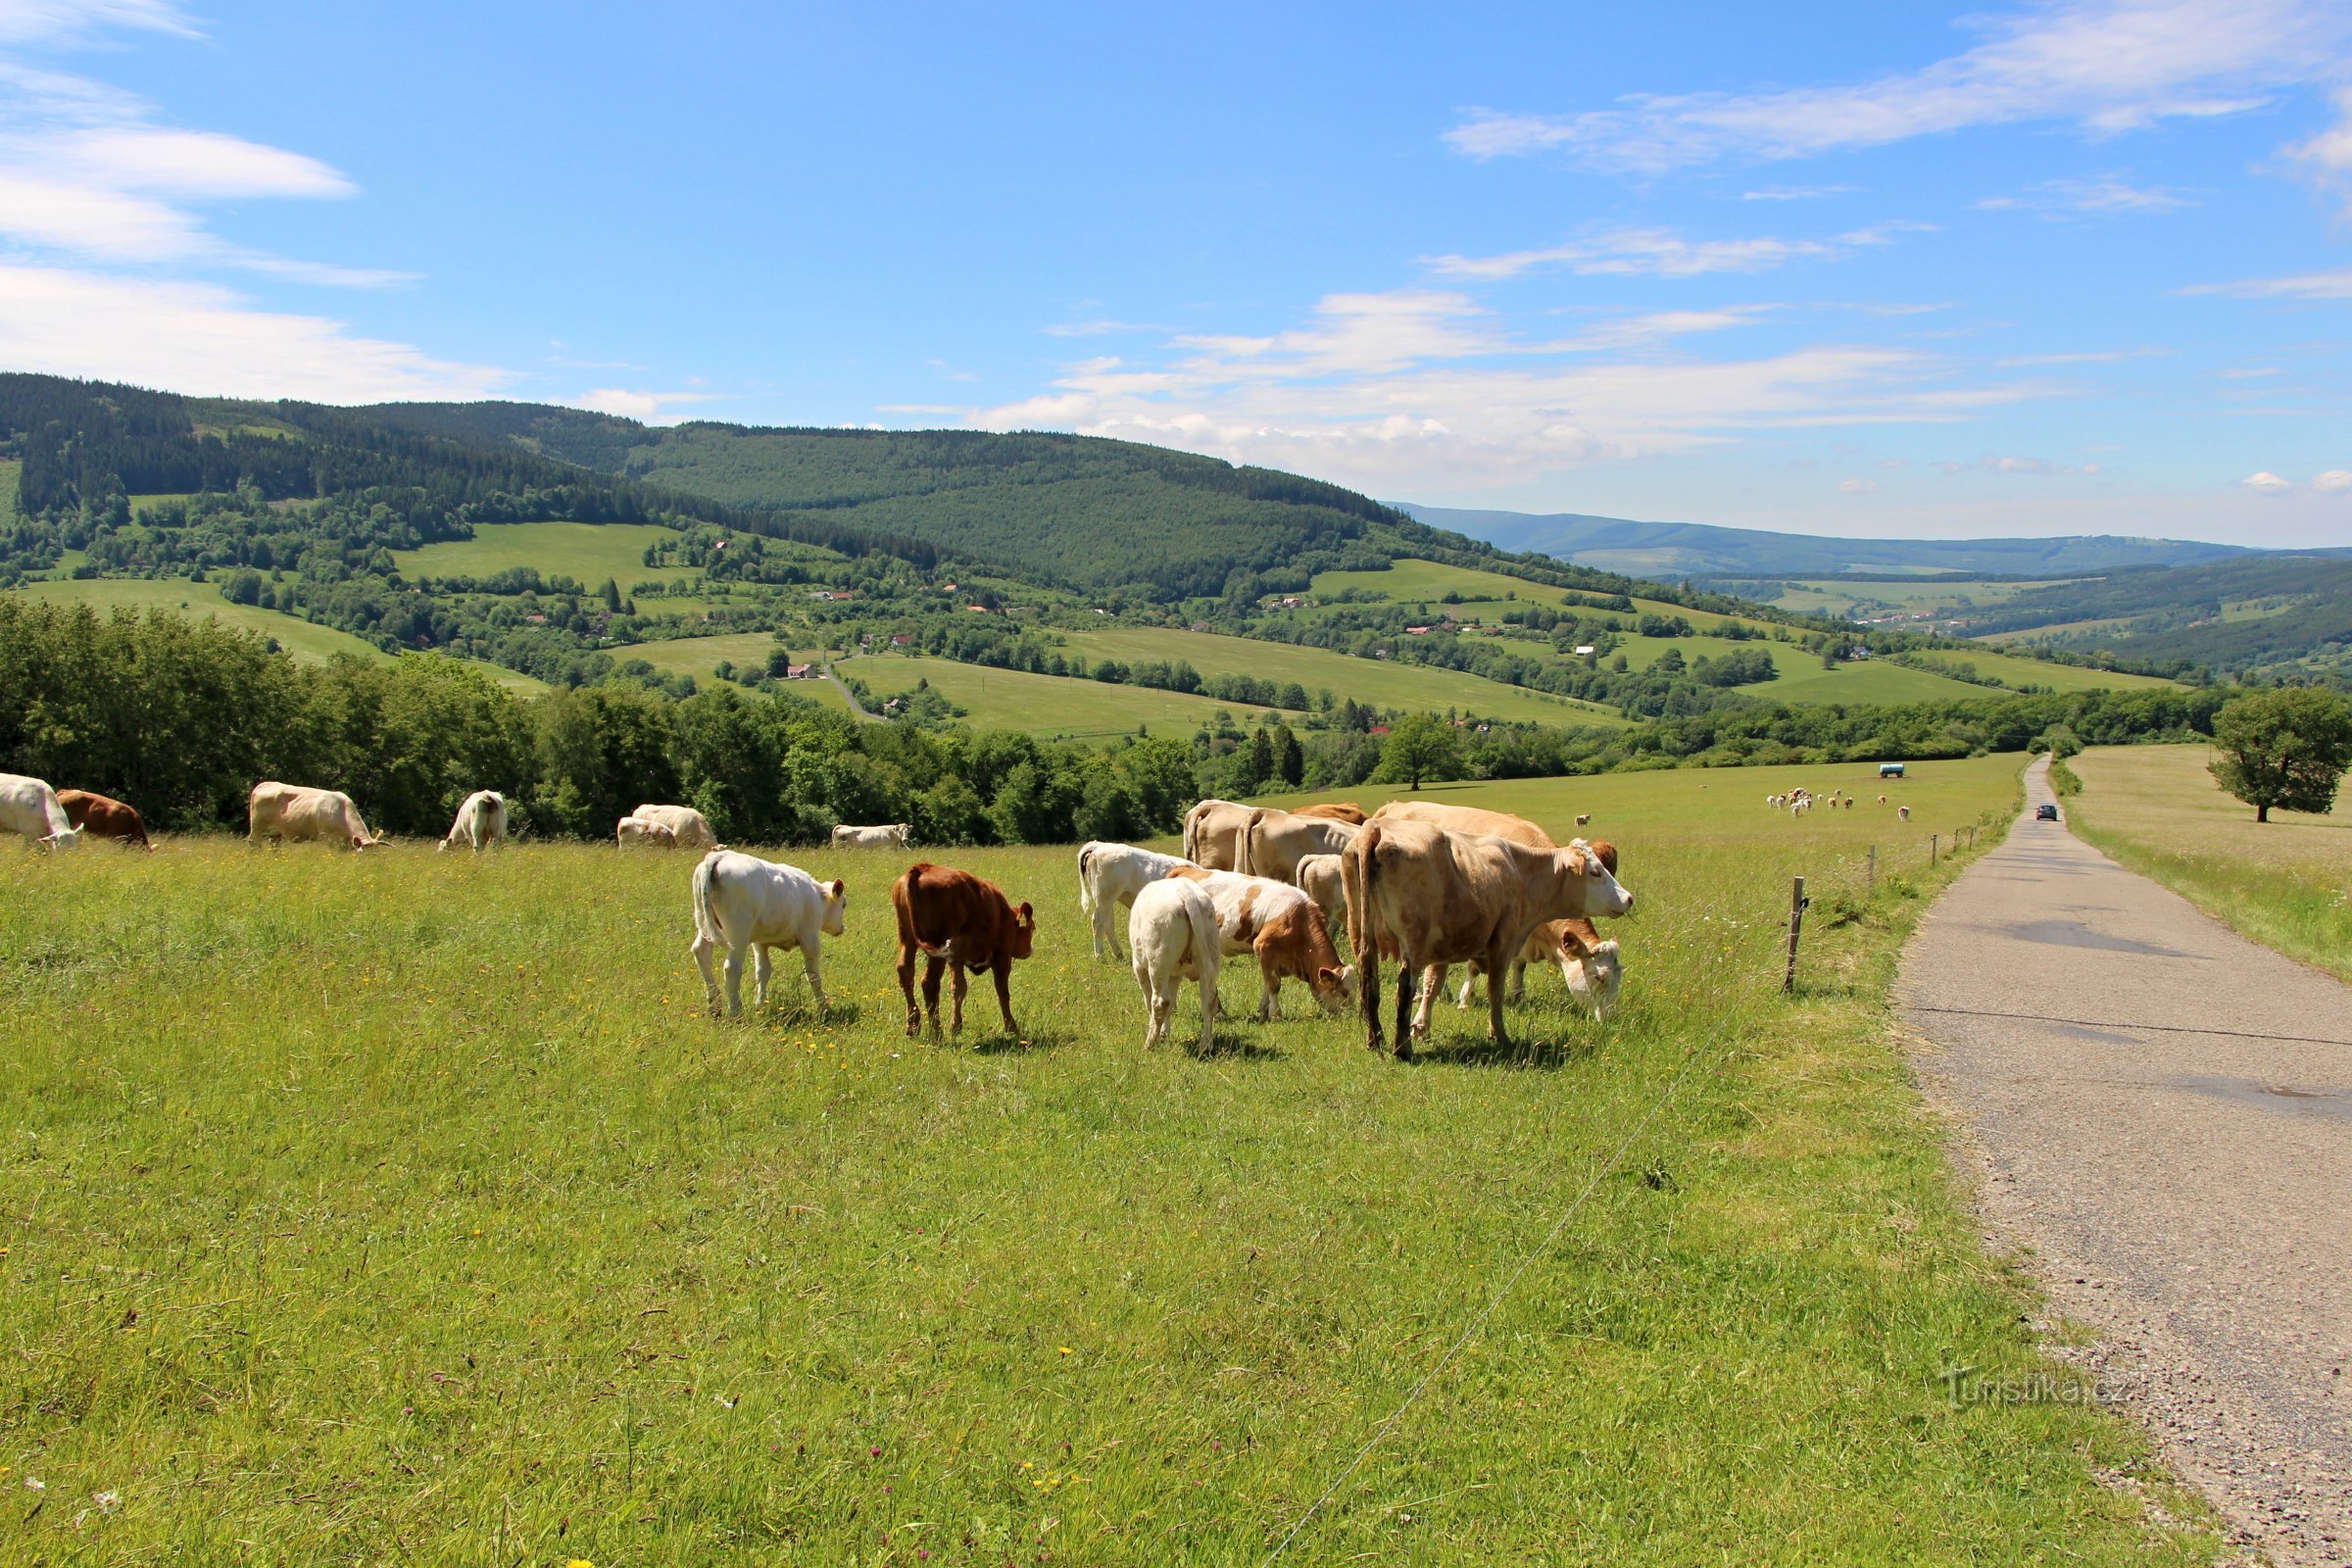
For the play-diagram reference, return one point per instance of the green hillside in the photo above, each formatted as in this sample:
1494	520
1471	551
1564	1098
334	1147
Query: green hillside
296	635
587	553
2288	614
1041	704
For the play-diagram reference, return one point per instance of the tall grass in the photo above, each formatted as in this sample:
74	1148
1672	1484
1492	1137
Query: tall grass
406	1209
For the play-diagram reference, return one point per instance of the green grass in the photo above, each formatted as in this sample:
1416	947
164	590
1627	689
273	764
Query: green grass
403	1208
1940	596
2021	671
1041	704
297	636
1415	582
2285	883
588	553
1385	683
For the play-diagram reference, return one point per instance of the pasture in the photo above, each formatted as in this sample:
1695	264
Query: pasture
2285	883
406	1209
588	553
1041	704
181	596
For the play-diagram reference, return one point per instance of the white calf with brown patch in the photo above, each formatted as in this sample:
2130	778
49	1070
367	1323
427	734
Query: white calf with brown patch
1110	875
296	813
1174	937
1593	968
1433	897
30	807
1282	927
481	821
1275	841
742	903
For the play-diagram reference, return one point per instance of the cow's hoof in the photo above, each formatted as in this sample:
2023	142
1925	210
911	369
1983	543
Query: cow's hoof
1405	1050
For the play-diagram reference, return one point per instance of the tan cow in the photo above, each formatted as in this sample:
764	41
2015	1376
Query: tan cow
638	831
1434	897
280	812
688	827
1346	812
1276	841
1212	834
1594	969
1282	927
1318	876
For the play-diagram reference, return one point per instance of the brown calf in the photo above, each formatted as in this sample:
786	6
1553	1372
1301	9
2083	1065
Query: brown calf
953	919
103	817
1281	927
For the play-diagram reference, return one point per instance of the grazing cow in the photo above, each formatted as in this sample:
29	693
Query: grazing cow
481	821
1436	898
28	807
1275	841
1174	936
743	903
1904	811
1212	834
1113	874
688	827
1318	877
104	818
1593	974
953	919
637	831
891	835
1282	927
1583	817
280	812
1882	800
1346	812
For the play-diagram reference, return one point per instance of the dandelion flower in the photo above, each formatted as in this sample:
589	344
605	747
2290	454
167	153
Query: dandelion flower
1065	1349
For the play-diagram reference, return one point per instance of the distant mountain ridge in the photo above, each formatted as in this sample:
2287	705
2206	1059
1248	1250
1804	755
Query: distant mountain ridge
1671	550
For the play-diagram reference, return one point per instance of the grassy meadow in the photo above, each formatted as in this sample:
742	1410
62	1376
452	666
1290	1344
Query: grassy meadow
2285	883
406	1209
588	553
1041	705
179	595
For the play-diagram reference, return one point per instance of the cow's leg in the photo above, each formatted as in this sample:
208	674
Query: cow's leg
1105	936
1269	1002
1408	972
1439	972
764	964
701	949
1159	1002
1004	996
1497	969
1432	986
816	980
915	1019
1208	1013
1367	987
933	968
958	978
734	981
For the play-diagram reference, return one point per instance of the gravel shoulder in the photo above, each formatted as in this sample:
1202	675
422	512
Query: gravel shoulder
2158	1114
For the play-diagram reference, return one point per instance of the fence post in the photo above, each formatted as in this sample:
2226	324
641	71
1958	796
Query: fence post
1797	923
1932	838
1874	871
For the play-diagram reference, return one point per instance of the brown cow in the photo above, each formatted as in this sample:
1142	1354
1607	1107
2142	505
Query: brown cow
1346	812
1434	897
103	817
1574	943
953	919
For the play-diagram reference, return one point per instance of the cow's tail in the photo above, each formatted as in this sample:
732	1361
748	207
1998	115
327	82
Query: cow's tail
706	923
1086	881
901	905
1192	834
1245	844
1357	876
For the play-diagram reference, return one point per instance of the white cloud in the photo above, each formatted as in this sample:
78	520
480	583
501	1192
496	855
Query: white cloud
71	21
2060	197
2087	357
1858	487
200	338
2333	480
2266	483
2108	66
1795	193
653	408
2307	286
2033	467
2328	156
2249	372
1662	253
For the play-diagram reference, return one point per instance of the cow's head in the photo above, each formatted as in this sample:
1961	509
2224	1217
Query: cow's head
65	838
361	841
1025	932
1595	977
1602	895
837	903
1335	989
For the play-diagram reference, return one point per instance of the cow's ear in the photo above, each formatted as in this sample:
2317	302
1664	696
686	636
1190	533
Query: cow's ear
1328	976
840	888
1028	917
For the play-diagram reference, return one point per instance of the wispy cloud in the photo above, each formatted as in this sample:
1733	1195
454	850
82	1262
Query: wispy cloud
1795	193
2107	65
1102	327
2010	463
2069	197
652	408
1663	252
2305	286
1858	487
2084	356
2265	482
53	22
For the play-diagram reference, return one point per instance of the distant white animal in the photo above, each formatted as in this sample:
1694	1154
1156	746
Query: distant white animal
30	807
1904	811
481	821
687	826
637	831
1582	818
292	811
1172	933
888	836
743	903
1113	874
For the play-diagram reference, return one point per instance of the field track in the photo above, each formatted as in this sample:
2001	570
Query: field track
407	1208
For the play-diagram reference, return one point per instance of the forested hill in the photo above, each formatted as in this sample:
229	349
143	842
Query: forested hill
1075	510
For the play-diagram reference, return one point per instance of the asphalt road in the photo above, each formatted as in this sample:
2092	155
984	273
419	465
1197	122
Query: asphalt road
2158	1114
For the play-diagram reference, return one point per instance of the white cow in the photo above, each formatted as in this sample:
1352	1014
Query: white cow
1174	937
1595	971
688	826
283	812
742	901
637	831
890	835
28	807
1113	874
481	821
1904	811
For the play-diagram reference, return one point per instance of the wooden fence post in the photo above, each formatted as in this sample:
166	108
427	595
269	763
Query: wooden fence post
1796	925
1932	838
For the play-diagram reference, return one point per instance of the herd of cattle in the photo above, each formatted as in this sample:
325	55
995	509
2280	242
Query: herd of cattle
1421	883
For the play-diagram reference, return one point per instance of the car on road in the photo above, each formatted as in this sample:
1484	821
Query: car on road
2045	813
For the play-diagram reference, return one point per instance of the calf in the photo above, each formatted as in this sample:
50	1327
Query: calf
480	823
283	812
1282	927
953	919
104	818
1435	897
1904	811
30	807
1274	842
1174	936
689	828
1113	874
765	905
1212	834
891	835
637	831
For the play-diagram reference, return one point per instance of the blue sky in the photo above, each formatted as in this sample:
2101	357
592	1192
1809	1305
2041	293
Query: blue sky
1850	269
